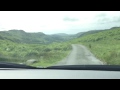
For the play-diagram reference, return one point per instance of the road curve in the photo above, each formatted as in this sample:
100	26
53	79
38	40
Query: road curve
80	55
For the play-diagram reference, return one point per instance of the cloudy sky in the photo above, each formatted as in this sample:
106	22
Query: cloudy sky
50	22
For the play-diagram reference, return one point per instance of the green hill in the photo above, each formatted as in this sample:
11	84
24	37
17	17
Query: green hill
19	46
21	36
104	44
64	37
106	35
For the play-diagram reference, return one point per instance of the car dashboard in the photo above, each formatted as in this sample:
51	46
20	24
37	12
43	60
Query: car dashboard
57	74
18	71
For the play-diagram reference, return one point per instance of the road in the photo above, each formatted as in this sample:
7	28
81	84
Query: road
80	55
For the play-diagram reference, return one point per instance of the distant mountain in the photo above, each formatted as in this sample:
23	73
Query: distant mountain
20	36
61	34
112	34
114	27
94	31
90	32
79	34
64	36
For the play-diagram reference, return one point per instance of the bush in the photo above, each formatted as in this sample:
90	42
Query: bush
57	48
47	49
32	54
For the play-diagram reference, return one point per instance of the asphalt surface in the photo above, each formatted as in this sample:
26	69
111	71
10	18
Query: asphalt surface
80	55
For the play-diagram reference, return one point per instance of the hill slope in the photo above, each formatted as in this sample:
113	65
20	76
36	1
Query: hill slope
21	36
104	44
19	46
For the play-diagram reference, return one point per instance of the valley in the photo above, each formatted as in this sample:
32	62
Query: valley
19	46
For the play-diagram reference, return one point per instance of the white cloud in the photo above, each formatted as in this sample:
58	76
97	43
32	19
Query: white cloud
54	21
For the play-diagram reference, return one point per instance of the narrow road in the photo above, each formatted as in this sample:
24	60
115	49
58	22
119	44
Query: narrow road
80	55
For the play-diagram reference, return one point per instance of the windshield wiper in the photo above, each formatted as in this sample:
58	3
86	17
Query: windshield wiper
87	67
14	65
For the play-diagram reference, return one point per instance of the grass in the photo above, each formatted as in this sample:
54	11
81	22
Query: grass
46	55
52	60
104	45
108	53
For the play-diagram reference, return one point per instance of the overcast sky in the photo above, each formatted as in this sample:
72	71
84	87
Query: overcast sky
50	22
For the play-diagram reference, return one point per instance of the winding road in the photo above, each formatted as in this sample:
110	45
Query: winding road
80	55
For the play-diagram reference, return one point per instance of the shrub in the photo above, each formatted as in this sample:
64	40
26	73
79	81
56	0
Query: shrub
47	49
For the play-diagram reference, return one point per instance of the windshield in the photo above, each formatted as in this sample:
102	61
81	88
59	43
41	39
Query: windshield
56	38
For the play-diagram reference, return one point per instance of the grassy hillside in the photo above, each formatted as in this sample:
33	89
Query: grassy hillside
105	45
90	32
21	36
44	54
64	37
19	46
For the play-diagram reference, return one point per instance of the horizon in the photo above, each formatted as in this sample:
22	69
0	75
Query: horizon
52	22
56	33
